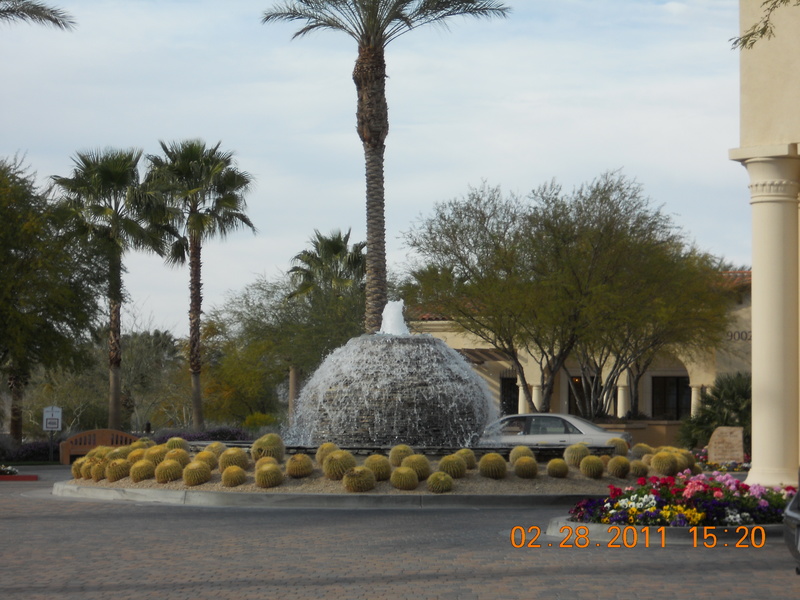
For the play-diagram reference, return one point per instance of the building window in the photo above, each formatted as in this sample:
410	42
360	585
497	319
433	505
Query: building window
509	395
672	398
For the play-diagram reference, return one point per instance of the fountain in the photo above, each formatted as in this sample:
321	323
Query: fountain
392	387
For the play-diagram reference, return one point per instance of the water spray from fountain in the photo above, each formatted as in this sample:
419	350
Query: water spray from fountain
392	387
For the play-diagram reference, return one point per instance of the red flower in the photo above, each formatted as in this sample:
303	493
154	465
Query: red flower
614	491
641	481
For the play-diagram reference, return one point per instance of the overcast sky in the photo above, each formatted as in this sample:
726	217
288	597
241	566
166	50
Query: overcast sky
562	89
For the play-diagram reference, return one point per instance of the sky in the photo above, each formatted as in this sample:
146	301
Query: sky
562	89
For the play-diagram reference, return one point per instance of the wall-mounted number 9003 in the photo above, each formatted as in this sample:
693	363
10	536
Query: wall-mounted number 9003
740	336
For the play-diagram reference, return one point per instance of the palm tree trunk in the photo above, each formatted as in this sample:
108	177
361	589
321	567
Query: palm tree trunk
372	115
195	309
114	343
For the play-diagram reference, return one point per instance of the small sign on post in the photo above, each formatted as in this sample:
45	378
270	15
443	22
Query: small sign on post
51	421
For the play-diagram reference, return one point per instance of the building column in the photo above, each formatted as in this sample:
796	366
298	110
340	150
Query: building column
623	400
774	187
536	397
697	392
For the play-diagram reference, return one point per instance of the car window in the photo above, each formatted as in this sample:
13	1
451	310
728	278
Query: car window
513	426
571	428
545	425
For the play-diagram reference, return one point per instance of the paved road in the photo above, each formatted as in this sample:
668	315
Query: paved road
55	548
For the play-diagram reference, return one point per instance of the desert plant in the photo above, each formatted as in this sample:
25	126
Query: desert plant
155	454
453	465
525	467
492	465
420	464
440	482
558	467
469	457
177	443
117	469
620	446
179	454
233	457
398	453
592	467
141	444
605	458
337	464
119	452
99	470
196	472
323	451
618	467
86	467
233	476
358	479
208	457
76	467
136	454
380	466
270	444
647	458
404	478
517	452
266	460
141	470
575	453
216	447
639	469
639	450
268	475
99	452
299	465
664	463
168	470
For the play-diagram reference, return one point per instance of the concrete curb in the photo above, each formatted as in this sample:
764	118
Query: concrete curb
629	536
349	501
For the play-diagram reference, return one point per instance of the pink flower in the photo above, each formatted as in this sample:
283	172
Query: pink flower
718	494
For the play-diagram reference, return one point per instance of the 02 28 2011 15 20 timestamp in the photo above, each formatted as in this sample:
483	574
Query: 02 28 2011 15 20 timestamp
628	536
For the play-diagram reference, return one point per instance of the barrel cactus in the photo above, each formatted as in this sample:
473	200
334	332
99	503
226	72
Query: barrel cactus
420	464
639	469
141	470
639	450
233	476
323	451
592	467
404	478
168	470
155	454
76	467
141	444
525	467
469	457
208	457
380	466
453	465
119	452
117	469
664	463
136	455
440	482
492	465
618	467
268	445
620	446
558	467
575	453
196	473
216	447
179	454
398	453
647	459
99	452
299	465
233	457
177	442
606	459
337	464
268	475
358	479
86	467
519	451
266	460
99	470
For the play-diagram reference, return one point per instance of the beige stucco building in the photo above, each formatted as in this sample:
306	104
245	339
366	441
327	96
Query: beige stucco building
768	149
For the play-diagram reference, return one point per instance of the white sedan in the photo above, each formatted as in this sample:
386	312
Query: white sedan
541	429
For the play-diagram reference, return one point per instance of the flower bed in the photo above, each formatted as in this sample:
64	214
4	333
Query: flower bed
701	456
687	500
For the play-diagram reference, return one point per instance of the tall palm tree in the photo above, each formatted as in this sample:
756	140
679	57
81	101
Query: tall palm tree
35	12
373	24
104	191
206	192
330	264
